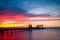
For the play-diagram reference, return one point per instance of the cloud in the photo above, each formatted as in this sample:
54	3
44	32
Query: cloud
40	18
41	7
34	7
44	11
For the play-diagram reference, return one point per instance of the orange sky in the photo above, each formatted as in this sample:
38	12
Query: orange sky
24	21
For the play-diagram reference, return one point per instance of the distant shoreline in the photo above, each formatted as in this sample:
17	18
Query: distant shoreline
3	29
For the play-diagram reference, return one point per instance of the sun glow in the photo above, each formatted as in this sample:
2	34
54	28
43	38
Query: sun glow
11	24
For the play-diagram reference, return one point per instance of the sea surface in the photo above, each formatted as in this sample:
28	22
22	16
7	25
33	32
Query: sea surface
41	34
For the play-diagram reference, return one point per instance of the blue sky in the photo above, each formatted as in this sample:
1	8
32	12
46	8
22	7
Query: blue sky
33	7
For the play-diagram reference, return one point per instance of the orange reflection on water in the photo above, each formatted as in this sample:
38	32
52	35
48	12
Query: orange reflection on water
16	35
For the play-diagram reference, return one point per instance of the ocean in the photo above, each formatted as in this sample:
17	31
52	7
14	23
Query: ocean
39	34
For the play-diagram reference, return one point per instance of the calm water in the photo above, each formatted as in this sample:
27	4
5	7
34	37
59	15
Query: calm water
42	34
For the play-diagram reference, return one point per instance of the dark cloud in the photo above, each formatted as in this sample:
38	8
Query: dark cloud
12	11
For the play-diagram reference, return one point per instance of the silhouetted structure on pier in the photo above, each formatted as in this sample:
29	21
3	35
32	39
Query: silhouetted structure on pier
37	27
30	26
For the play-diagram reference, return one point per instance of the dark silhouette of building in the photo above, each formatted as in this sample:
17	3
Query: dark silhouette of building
39	26
30	26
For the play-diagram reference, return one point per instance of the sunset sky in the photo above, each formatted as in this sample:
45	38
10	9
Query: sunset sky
21	13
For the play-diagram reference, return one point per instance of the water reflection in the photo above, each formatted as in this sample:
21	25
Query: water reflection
30	34
45	34
16	35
